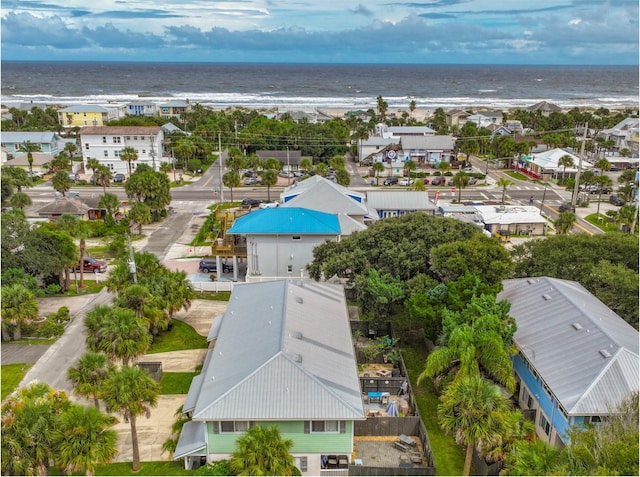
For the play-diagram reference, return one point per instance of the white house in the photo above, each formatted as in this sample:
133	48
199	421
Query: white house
105	143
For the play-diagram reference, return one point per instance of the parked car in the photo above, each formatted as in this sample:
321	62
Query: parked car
405	181
450	182
616	200
74	177
250	203
390	181
252	181
438	180
269	205
286	175
35	175
119	177
472	181
566	208
599	190
92	265
210	265
467	169
250	173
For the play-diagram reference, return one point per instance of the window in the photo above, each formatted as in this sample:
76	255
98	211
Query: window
127	138
116	139
295	237
86	146
105	153
301	463
117	153
104	140
144	151
234	426
135	138
289	268
325	426
544	424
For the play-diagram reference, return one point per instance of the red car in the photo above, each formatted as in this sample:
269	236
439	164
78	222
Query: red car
438	180
93	266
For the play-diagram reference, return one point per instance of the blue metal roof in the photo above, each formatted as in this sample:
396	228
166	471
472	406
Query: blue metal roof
287	220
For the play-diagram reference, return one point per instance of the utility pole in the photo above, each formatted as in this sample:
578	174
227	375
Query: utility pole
132	262
220	165
576	187
153	153
173	162
288	168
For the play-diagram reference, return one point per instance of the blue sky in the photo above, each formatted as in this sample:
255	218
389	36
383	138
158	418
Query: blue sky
324	31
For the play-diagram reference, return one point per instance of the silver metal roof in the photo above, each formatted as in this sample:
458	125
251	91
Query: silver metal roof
191	440
444	143
323	196
586	353
311	182
400	200
284	352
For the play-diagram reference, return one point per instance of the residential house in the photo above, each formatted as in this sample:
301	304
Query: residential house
373	149
544	165
456	117
621	134
71	205
516	219
84	115
39	166
311	183
290	159
364	116
545	108
383	130
141	108
428	150
396	203
283	356
280	241
484	119
107	142
326	196
515	126
499	129
577	359
313	117
48	141
174	108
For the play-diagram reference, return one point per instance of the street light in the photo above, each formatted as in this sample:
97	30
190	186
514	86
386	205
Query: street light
543	196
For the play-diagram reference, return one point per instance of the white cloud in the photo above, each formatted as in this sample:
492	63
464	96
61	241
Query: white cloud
350	30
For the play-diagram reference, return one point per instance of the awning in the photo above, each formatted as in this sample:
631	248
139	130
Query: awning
192	440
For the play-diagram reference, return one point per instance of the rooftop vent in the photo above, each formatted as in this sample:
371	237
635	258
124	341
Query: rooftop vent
531	281
605	353
577	326
546	297
299	300
297	335
297	358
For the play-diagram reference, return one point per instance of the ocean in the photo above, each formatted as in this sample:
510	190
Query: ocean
317	86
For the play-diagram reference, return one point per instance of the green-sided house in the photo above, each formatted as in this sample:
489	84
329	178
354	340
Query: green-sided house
283	356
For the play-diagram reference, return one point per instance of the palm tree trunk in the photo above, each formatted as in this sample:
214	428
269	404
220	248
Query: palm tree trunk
467	460
134	444
599	199
17	332
96	402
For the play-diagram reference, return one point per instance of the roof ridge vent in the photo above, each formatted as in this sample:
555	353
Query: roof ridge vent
299	300
577	326
605	353
546	297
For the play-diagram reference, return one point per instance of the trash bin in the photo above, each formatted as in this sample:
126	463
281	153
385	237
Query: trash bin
373	183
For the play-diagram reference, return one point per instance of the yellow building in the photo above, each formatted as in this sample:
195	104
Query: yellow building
85	115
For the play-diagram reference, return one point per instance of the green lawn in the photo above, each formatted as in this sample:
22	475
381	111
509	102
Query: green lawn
12	374
518	176
90	287
602	224
176	383
146	468
182	336
448	456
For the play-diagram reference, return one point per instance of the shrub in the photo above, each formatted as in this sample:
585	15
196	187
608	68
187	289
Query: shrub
52	289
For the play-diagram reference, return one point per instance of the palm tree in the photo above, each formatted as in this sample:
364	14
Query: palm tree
602	182
322	169
444	166
82	439
269	178
418	185
87	376
102	177
472	409
382	107
343	178
377	167
412	106
460	180
140	214
61	182
263	451
129	154
603	165
231	179
93	163
535	457
18	306
110	203
410	166
171	443
504	183
29	147
118	333
565	161
305	164
20	200
132	393
565	222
